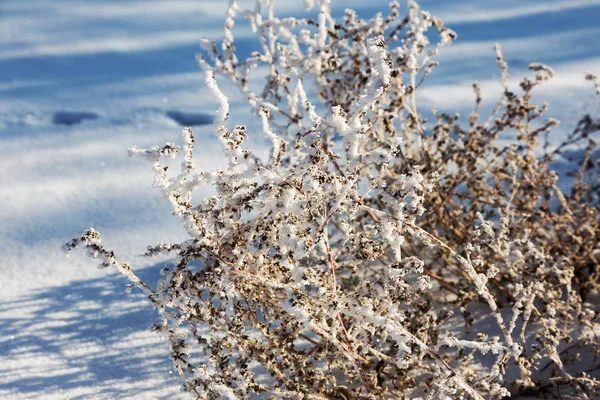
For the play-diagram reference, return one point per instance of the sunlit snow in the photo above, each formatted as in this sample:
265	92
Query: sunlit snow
80	82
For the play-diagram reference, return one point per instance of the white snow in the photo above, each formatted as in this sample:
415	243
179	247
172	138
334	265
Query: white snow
68	329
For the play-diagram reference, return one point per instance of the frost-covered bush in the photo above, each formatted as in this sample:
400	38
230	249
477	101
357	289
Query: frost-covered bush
375	254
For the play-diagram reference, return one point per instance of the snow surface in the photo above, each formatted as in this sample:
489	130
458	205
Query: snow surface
81	81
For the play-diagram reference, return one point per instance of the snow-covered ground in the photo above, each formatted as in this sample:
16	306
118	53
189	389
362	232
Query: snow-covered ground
81	81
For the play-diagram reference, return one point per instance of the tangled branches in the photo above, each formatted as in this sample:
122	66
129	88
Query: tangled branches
371	256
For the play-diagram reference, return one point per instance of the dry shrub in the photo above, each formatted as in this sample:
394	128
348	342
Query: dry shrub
371	256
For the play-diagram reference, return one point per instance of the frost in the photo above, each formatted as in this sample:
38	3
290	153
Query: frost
343	261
